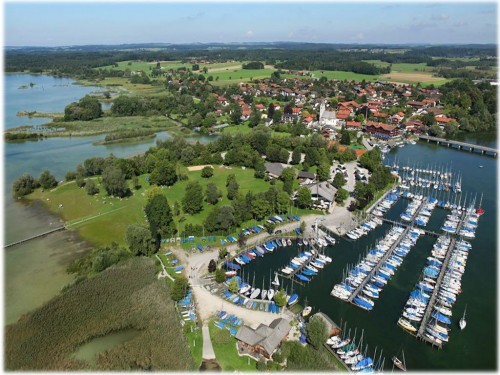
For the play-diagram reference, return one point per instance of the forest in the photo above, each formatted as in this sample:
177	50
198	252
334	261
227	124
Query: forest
300	56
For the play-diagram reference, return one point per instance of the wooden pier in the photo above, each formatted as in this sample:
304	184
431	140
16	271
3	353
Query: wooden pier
36	236
385	257
430	306
461	145
428	232
300	268
377	267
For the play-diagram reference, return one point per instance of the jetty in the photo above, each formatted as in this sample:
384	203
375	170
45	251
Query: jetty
401	224
36	236
420	333
376	268
484	150
299	269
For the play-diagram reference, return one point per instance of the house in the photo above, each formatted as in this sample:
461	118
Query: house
322	193
381	130
264	340
353	125
304	176
274	170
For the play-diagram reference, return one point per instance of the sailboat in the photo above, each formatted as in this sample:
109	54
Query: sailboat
462	323
307	310
276	281
398	363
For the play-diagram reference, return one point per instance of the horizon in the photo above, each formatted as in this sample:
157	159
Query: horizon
98	23
166	44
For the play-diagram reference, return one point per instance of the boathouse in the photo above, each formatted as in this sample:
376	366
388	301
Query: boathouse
264	340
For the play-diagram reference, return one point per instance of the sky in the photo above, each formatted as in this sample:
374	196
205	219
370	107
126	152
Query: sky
72	23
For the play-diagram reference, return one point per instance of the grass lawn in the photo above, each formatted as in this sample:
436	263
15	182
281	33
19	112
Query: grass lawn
101	219
233	76
194	338
226	352
341	75
235	129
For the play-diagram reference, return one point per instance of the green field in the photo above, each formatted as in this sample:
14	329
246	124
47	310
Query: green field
108	218
233	76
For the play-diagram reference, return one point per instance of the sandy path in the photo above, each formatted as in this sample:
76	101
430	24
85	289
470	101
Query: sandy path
196	266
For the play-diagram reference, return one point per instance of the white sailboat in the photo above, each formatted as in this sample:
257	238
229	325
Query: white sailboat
462	323
276	281
398	363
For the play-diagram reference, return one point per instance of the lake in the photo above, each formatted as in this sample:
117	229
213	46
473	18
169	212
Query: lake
36	270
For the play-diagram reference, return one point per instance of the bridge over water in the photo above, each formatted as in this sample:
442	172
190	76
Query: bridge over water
484	150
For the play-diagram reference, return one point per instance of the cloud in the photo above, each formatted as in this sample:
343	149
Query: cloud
359	36
440	17
460	24
249	33
193	17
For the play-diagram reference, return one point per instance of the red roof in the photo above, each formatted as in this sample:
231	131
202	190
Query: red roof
380	125
356	124
444	119
260	106
295	110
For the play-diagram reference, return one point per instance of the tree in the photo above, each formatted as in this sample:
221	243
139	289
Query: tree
212	193
113	180
302	226
233	285
338	180
212	266
207	172
24	185
139	240
277	115
235	113
164	174
345	138
260	207
296	155
180	288
232	188
323	171
161	222
282	202
91	187
260	168
223	252
220	275
242	239
79	180
70	176
280	298
342	195
436	131
47	180
87	108
192	203
254	119
317	332
136	183
304	199
288	177
177	208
